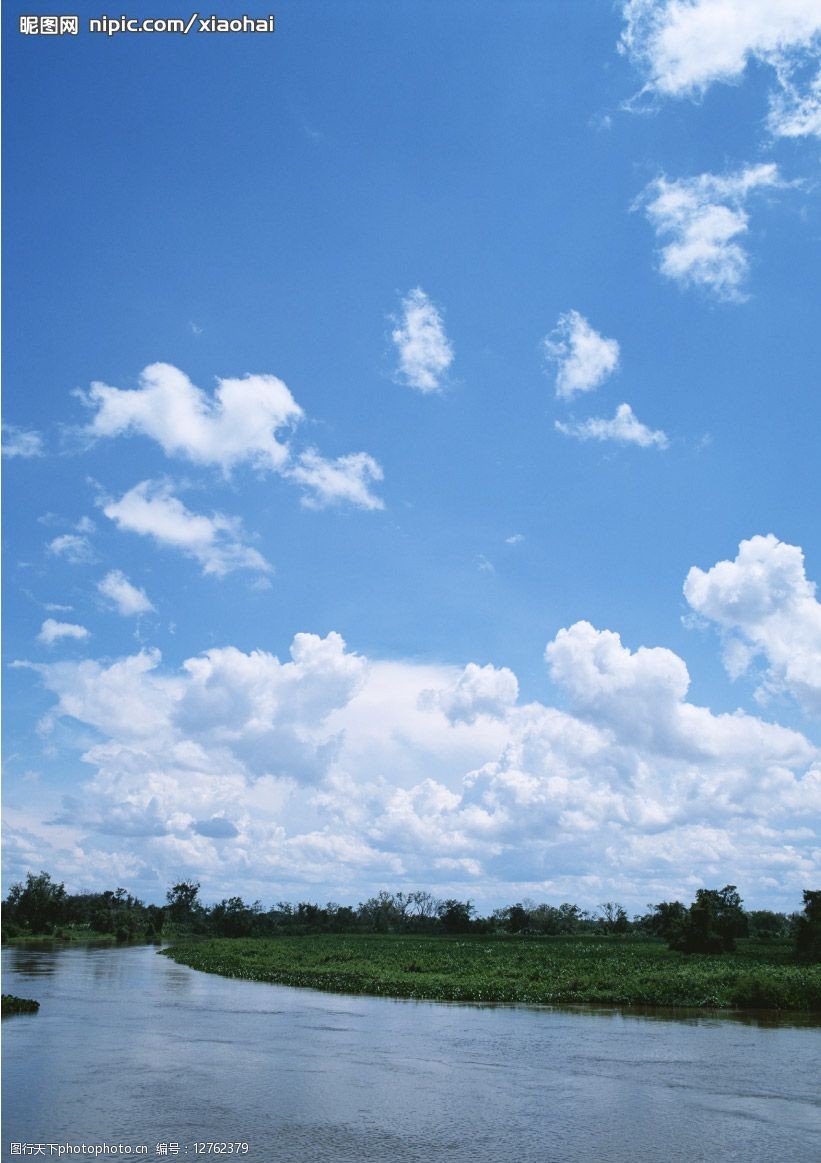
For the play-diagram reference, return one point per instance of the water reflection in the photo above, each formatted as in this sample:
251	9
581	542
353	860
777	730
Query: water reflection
130	1047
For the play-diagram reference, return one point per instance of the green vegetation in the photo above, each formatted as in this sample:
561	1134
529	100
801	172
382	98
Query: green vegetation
613	970
808	929
717	953
62	934
39	907
19	1005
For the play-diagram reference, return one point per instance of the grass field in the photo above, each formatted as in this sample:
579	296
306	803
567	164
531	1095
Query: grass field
552	970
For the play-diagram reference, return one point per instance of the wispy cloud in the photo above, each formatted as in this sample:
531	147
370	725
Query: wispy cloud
684	48
425	353
216	542
699	220
346	479
126	598
795	110
74	547
583	359
21	442
623	428
52	631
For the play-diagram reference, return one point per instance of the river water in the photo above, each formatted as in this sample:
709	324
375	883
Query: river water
130	1049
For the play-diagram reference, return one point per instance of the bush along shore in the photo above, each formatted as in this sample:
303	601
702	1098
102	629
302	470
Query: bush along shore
19	1005
614	970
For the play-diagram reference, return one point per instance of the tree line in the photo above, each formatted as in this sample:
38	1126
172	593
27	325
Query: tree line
710	924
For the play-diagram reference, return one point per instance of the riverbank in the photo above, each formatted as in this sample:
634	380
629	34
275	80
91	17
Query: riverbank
66	936
626	971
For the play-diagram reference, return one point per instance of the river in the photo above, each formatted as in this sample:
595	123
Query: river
131	1049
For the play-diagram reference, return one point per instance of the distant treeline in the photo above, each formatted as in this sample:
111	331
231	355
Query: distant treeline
710	924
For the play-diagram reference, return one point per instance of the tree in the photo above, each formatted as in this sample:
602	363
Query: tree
613	918
383	913
39	904
183	905
713	922
517	918
766	925
233	918
456	915
155	916
666	920
808	929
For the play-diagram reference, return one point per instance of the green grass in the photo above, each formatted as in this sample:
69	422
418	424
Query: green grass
553	970
68	935
19	1005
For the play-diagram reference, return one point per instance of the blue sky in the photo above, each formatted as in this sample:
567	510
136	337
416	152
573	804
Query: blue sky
411	423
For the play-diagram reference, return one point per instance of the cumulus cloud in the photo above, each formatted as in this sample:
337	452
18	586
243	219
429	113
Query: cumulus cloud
74	547
641	698
623	428
699	221
126	598
52	631
424	351
479	690
348	774
583	358
247	420
346	479
216	542
685	46
239	422
21	442
766	609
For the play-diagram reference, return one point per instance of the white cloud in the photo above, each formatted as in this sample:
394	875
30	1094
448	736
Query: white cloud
583	358
333	771
346	479
127	598
216	542
52	631
246	420
21	442
640	697
125	700
240	422
765	606
685	46
796	112
624	428
479	690
515	539
699	221
73	547
425	353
